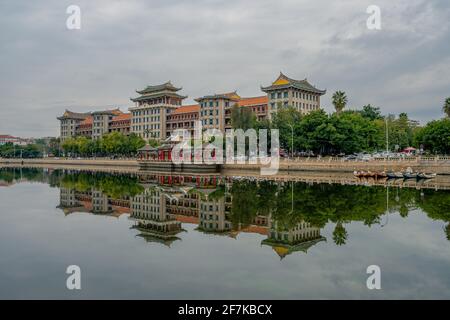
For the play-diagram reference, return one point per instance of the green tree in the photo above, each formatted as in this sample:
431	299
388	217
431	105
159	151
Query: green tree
370	112
339	101
242	118
446	107
435	136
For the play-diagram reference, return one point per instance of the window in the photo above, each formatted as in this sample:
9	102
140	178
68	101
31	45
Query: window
279	95
272	95
286	94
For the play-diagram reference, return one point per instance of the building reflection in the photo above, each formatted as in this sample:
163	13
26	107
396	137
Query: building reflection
285	241
152	220
92	201
167	202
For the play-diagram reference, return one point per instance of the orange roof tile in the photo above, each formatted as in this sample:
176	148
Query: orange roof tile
187	109
123	116
88	120
253	101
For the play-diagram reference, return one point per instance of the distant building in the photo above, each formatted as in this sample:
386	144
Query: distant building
155	103
93	124
213	109
183	117
299	94
6	138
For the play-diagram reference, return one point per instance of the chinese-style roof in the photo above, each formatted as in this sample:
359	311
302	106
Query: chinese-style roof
160	87
122	116
113	112
187	109
284	82
7	136
147	147
227	96
244	102
73	115
283	248
87	121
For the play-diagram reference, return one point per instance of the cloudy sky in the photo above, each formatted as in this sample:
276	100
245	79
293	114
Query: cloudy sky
209	46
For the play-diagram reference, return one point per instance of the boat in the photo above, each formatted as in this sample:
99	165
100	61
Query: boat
423	175
410	175
394	175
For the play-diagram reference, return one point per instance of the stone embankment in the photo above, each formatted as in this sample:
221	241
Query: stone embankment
439	165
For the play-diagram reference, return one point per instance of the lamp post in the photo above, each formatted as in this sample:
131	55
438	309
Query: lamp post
292	139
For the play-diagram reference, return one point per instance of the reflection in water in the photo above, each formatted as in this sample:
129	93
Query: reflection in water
290	215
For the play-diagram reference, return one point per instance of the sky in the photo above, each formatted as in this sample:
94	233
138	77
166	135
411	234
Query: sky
213	46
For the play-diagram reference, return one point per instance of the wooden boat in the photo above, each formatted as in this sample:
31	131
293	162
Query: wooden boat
423	175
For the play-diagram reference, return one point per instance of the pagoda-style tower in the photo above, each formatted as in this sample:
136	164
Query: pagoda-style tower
299	94
148	117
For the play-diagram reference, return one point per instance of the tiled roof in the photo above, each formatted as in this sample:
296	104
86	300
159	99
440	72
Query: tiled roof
73	115
165	86
87	121
122	116
284	81
187	109
253	101
229	96
4	136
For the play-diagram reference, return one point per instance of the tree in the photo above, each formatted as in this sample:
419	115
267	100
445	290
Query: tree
370	112
446	107
242	118
339	101
435	136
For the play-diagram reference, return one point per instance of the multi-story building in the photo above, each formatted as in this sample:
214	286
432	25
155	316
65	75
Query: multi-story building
6	138
69	122
213	109
94	125
257	104
299	94
183	117
155	103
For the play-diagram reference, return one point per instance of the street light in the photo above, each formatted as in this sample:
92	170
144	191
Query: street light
292	140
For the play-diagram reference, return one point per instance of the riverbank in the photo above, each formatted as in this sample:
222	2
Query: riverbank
438	165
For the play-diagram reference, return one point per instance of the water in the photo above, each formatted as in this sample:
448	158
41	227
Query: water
148	237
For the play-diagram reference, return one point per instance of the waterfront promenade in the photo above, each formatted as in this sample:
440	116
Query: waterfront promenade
439	164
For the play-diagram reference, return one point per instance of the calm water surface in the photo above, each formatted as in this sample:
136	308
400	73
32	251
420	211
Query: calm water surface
161	237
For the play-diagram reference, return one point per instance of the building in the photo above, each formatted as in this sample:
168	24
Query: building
183	117
299	94
155	103
69	122
257	104
6	138
213	109
94	124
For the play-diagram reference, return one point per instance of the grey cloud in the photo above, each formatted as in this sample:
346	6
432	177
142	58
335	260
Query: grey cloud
213	46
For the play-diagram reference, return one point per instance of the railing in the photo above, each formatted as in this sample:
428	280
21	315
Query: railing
419	159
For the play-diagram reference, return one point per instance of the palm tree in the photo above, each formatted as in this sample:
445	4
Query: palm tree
339	101
446	107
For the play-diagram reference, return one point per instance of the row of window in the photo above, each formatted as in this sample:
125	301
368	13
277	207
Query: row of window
146	126
146	119
297	94
137	113
213	103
